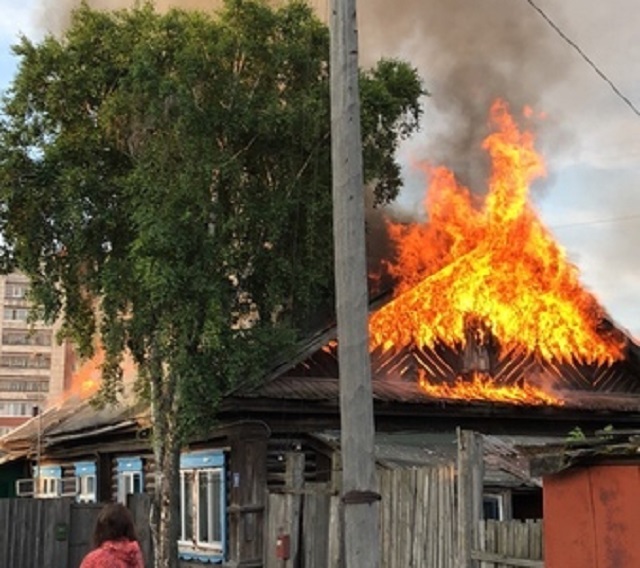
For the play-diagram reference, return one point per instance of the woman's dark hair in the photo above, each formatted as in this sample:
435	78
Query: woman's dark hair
115	522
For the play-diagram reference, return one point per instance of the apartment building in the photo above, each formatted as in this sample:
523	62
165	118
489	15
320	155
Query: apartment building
33	367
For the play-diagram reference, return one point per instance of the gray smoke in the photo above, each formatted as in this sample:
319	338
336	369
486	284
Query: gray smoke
469	52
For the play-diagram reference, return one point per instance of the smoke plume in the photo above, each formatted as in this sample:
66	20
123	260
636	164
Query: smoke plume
469	53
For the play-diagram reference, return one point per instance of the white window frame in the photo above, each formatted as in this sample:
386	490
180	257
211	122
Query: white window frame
499	499
16	289
127	483
48	487
86	494
211	544
25	487
11	408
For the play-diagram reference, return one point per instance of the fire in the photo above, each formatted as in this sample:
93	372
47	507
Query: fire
86	379
483	387
492	261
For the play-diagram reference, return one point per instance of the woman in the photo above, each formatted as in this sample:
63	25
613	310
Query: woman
114	540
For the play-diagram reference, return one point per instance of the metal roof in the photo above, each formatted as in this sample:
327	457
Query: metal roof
404	391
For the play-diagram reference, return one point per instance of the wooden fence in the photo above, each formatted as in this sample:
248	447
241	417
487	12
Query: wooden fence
418	525
510	543
488	544
56	533
417	517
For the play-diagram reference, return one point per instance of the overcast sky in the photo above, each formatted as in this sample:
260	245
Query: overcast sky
469	52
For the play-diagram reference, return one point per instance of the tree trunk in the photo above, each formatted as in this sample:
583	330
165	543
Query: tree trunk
165	510
166	507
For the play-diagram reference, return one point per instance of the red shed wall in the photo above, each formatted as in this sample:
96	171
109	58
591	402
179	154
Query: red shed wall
592	518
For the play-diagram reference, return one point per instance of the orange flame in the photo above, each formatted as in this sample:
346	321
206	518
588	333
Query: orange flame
491	260
483	387
86	379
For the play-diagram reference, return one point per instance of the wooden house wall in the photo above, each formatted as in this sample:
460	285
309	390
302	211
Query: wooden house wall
10	473
68	483
317	459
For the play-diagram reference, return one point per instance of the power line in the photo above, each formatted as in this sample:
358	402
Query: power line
585	57
598	221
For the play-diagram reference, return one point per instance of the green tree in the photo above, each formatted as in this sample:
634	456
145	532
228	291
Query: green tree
165	182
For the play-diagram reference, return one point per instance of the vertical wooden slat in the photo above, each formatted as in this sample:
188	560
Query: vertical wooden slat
470	486
335	540
517	540
315	525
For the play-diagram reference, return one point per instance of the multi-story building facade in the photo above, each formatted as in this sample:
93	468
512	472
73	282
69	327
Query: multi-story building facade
33	366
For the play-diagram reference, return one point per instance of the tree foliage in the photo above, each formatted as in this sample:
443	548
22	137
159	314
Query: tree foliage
165	181
174	171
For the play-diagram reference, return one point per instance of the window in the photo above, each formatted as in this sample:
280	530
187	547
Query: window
47	481
493	506
26	361
26	337
129	477
86	481
24	384
202	506
16	289
16	314
15	408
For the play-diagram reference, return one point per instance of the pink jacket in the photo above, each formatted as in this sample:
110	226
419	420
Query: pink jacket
115	554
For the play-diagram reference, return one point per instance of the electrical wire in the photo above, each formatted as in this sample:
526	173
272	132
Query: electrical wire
584	56
598	221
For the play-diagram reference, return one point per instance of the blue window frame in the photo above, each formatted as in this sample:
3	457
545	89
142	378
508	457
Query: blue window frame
202	506
130	477
86	481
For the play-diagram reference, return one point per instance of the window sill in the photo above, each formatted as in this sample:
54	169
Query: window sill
202	556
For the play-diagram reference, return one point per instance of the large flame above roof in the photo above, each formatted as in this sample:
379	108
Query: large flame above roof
491	261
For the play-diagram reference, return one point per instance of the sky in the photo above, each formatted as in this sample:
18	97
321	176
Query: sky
471	51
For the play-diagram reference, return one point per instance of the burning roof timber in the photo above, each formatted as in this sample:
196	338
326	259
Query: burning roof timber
486	305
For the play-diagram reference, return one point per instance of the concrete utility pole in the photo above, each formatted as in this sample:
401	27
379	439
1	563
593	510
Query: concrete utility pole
360	499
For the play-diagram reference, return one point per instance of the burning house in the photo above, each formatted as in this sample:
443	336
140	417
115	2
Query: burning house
486	305
489	329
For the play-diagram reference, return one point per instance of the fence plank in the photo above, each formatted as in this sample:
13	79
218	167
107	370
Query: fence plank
83	520
504	559
507	542
470	479
140	506
315	525
335	525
